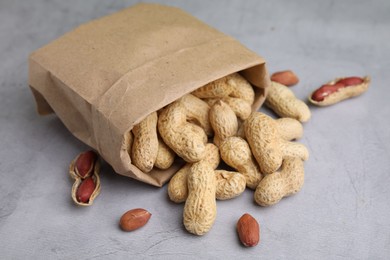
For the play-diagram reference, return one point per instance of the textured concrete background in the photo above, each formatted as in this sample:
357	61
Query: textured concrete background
343	210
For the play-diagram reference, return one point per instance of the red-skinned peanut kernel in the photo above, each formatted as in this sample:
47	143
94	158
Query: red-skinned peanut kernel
134	219
85	163
326	90
286	77
85	190
351	81
248	230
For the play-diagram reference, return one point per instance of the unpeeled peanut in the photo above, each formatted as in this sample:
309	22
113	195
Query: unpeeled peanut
127	142
229	184
289	180
216	89
241	88
294	149
240	107
266	144
284	103
223	121
177	186
165	156
200	209
187	140
236	153
145	143
289	128
233	85
197	112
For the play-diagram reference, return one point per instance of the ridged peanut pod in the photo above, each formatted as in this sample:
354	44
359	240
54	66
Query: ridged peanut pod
179	135
267	145
197	112
145	144
289	128
165	156
223	121
241	108
229	184
198	132
262	136
287	181
215	89
200	209
233	85
241	88
292	149
127	142
236	152
284	103
177	186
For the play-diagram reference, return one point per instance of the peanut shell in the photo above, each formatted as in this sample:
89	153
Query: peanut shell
200	209
284	103
229	184
342	93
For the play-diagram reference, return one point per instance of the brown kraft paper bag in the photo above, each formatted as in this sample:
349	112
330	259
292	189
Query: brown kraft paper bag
107	75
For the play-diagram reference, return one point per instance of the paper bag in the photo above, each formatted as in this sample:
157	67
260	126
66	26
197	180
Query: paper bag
107	75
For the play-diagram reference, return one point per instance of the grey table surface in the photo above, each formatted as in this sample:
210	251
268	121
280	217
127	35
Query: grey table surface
343	210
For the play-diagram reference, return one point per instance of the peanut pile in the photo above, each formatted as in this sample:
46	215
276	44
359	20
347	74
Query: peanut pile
215	123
